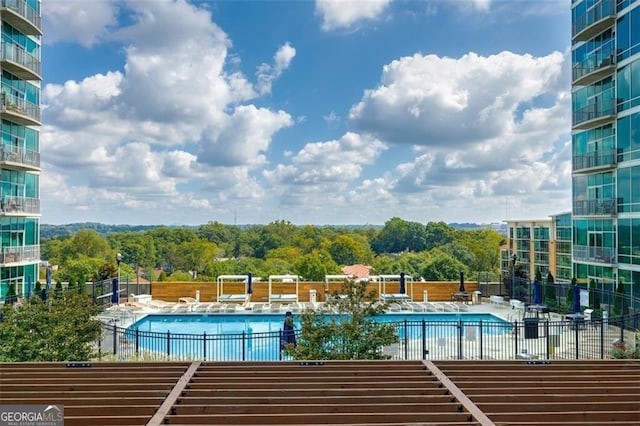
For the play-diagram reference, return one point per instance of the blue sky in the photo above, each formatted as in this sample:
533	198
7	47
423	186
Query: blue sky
315	112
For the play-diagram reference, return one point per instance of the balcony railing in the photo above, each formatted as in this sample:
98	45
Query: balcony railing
21	110
28	19
23	64
605	207
25	157
602	109
594	254
596	159
602	59
596	19
9	255
13	205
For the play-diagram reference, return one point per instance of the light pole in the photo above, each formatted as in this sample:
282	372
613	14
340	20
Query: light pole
118	260
514	258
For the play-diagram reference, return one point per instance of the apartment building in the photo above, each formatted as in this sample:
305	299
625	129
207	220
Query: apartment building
20	148
606	142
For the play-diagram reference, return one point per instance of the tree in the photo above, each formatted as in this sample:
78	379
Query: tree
399	235
61	329
594	294
349	249
437	234
314	266
352	334
550	291
443	267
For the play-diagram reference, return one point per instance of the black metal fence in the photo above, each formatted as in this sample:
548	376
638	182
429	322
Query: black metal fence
532	338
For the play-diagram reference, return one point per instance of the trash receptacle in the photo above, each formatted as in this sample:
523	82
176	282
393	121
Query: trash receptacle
476	297
531	328
313	297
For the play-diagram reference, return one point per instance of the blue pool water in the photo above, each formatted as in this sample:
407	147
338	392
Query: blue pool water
263	323
256	337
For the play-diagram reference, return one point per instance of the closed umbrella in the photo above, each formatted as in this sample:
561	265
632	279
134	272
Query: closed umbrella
249	283
403	287
575	302
537	293
114	291
461	289
288	332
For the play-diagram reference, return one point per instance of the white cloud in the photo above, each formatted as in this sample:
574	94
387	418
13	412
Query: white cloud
338	14
82	22
267	74
434	101
176	115
320	174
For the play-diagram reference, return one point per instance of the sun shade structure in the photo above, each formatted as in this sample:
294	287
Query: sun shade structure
332	392
395	297
233	297
291	282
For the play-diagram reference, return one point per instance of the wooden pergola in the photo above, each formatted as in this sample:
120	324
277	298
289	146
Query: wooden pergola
332	392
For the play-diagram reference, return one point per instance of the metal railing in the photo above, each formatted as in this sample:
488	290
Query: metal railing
602	57
604	108
606	255
530	338
17	105
19	155
601	10
590	160
15	53
23	9
19	254
603	206
15	204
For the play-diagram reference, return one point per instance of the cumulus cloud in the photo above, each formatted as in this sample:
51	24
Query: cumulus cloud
85	22
321	168
267	74
434	101
337	14
176	112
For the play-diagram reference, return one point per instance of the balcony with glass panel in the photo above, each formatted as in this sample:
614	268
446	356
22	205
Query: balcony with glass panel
600	207
19	110
595	20
594	161
18	62
598	65
21	16
11	256
19	158
595	114
604	255
14	205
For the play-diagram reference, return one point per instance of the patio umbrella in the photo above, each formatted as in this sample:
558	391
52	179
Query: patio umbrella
288	332
249	284
461	289
403	287
43	294
537	293
575	302
114	291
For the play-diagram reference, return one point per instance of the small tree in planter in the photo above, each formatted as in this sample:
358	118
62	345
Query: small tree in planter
10	298
594	295
550	291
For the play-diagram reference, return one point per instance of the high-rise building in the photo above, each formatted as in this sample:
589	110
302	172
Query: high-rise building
20	148
606	143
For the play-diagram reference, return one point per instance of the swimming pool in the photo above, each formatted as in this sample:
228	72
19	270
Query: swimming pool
256	337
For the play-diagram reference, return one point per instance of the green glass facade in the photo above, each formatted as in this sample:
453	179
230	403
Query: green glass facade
605	144
20	145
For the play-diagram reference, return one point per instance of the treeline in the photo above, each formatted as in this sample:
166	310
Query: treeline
435	251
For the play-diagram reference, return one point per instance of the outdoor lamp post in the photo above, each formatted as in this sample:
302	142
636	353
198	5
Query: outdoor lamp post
118	260
514	258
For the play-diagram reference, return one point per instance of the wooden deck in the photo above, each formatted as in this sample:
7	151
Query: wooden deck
332	392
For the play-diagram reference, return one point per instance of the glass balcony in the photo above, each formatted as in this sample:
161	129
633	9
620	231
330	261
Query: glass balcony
601	207
595	114
605	255
19	158
22	254
18	62
599	17
11	205
21	16
599	64
19	110
596	160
